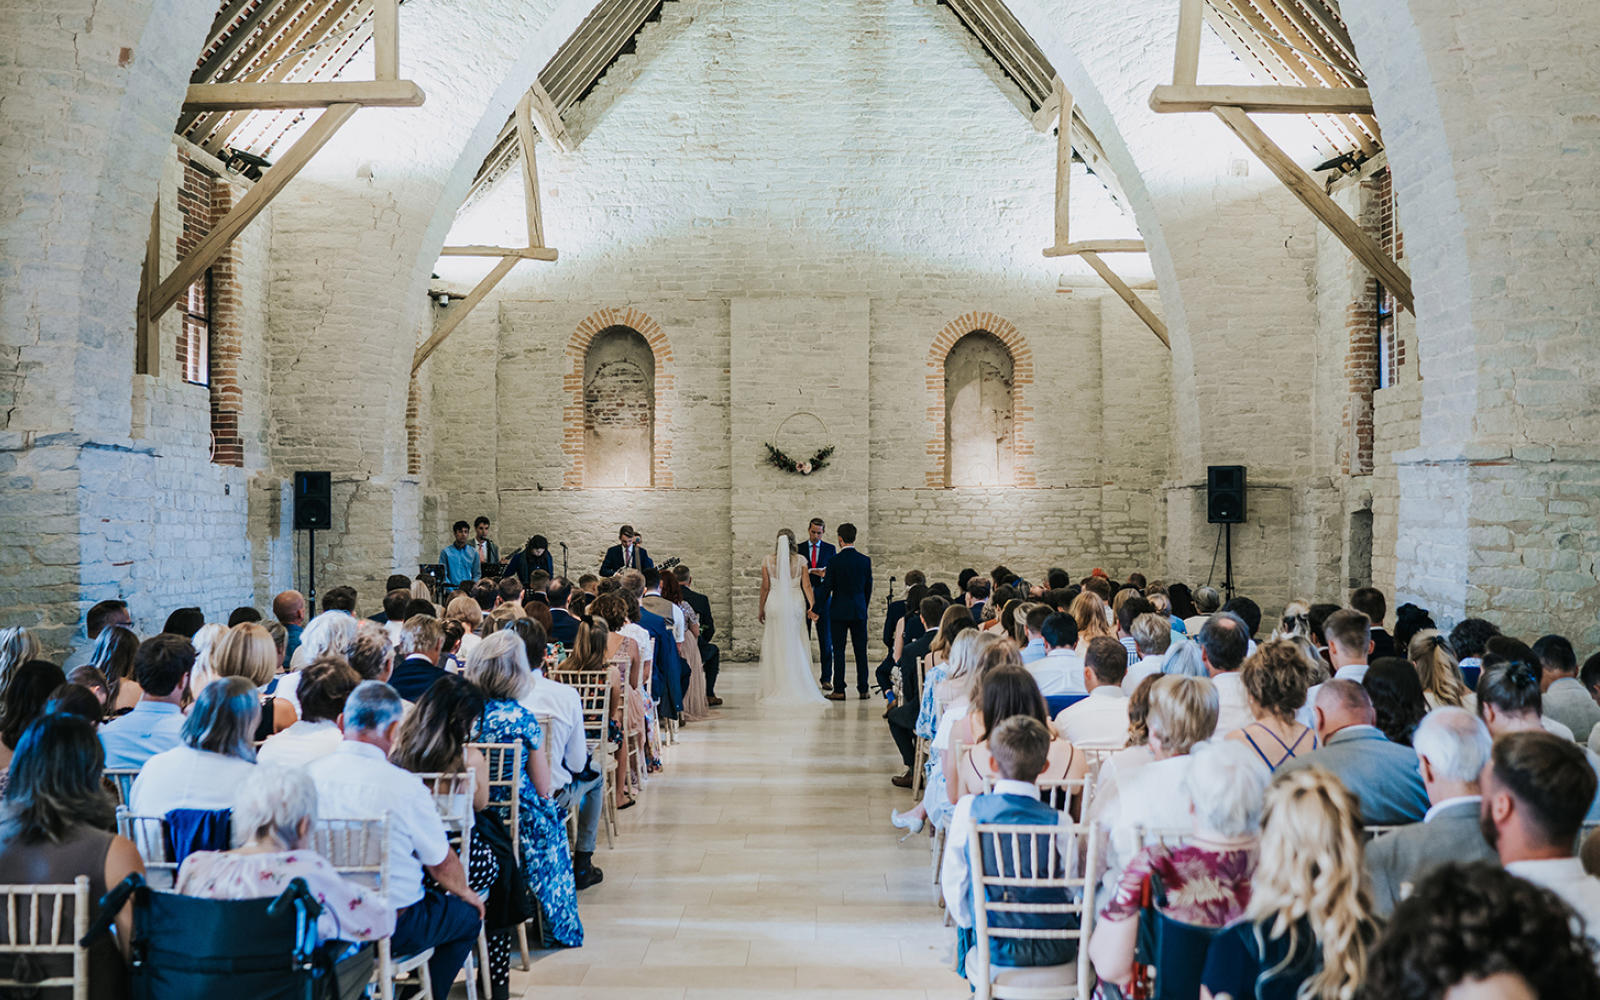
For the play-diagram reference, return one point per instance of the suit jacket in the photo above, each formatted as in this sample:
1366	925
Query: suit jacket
563	627
897	611
413	676
1381	775
1403	857
613	560
668	670
702	607
1382	644
1568	702
491	547
849	585
819	585
661	606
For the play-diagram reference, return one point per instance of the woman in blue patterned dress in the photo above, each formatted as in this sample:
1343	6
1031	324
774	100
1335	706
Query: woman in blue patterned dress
499	667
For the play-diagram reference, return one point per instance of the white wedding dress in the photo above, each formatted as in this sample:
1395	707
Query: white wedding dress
787	676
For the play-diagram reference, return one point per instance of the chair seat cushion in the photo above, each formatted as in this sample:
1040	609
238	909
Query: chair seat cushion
1029	976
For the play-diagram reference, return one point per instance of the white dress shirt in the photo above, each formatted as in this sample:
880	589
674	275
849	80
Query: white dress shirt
955	869
186	778
1349	672
1100	720
300	744
1566	878
1060	672
564	706
357	782
1148	666
1233	703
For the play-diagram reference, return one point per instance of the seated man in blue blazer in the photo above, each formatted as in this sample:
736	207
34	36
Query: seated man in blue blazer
563	623
668	672
1382	775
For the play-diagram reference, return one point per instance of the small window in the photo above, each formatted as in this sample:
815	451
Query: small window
194	339
979	412
1388	347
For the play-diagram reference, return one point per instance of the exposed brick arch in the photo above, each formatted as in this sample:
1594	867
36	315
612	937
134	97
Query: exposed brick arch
572	383
1022	377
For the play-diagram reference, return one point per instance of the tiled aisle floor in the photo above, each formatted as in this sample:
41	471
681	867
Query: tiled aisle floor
761	863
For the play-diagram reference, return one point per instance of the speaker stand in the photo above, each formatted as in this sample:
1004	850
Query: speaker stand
1227	571
311	576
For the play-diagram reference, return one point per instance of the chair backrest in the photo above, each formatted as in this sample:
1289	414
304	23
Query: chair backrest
594	691
36	924
506	768
1168	836
1033	879
1058	793
357	848
121	779
452	796
1097	756
149	836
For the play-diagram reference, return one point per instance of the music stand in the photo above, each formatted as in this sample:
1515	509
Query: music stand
493	570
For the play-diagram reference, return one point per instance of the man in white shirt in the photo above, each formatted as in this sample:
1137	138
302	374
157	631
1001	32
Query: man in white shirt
357	781
324	687
394	610
1153	636
1060	671
1536	790
1223	641
578	786
161	666
1100	720
1032	623
1349	634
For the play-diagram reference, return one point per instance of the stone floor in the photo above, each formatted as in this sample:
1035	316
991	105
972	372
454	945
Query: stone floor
761	863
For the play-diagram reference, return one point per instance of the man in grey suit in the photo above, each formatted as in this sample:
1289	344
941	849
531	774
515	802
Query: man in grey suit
1453	745
1381	775
1566	700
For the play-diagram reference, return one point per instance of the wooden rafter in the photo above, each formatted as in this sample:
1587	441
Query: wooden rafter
1090	250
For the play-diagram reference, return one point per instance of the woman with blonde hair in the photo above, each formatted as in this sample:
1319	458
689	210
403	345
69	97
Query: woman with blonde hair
466	611
1310	926
1093	616
1439	671
247	651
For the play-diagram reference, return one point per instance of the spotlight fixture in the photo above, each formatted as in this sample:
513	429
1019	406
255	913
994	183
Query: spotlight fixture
248	164
443	298
1344	163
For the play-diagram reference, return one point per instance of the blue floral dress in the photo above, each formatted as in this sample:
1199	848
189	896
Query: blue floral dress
541	833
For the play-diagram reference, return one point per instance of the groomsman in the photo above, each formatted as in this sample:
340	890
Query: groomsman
817	554
849	583
626	554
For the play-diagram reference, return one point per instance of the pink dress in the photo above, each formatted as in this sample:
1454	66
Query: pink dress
349	912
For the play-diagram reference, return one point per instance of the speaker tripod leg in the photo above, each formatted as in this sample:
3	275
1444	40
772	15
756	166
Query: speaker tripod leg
1227	572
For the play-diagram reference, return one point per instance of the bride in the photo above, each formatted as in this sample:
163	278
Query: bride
787	677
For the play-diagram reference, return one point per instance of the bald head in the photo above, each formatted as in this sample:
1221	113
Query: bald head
289	607
1341	704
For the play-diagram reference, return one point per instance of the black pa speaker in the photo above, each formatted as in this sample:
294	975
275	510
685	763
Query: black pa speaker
1225	494
313	501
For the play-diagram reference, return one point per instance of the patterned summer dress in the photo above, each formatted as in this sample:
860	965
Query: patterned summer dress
541	832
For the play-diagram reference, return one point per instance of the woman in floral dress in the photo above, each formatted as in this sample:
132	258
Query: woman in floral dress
499	667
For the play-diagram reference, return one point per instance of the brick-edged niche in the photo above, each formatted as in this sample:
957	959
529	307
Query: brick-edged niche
572	422
937	475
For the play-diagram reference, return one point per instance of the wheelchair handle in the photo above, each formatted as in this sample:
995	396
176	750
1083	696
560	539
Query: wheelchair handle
295	892
110	905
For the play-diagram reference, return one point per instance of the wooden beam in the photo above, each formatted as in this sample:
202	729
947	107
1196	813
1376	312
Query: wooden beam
1263	100
530	172
548	117
386	39
454	316
277	96
249	206
1129	296
1063	160
147	339
1186	61
1096	246
1305	187
520	253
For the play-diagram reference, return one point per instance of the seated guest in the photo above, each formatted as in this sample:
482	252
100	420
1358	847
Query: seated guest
1100	720
1371	602
371	654
1382	776
55	825
392	612
161	667
421	640
1134	755
1207	602
1397	700
78	699
578	787
324	686
1564	698
1452	748
216	758
1536	792
1007	689
357	781
1183	713
1435	663
563	623
1017	753
1032	627
1470	640
1092	615
903	713
944	702
340	599
1309	926
247	651
1224	642
1127	607
23	701
1275	683
466	611
272	818
1249	612
1184	660
103	615
1152	637
1061	669
243	615
1206	880
113	655
499	668
1509	701
1477	932
289	607
1349	643
395	603
908	628
710	653
330	632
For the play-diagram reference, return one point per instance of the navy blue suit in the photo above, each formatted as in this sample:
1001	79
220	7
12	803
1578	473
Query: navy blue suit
667	671
413	676
819	599
563	627
849	585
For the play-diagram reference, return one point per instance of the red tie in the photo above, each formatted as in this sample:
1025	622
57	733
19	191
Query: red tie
813	555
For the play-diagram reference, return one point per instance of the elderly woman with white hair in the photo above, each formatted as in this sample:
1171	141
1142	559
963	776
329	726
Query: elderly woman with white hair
1204	881
330	632
272	819
498	667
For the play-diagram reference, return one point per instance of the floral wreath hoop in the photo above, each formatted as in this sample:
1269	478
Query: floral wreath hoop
816	463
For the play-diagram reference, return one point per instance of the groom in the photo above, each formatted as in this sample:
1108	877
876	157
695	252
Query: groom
848	581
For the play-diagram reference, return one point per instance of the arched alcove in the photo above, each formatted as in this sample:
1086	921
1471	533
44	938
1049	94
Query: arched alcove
980	417
618	409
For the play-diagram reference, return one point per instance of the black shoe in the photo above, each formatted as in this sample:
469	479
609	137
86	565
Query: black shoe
589	876
864	694
713	701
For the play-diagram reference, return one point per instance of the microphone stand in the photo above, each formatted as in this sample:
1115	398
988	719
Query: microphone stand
563	558
889	598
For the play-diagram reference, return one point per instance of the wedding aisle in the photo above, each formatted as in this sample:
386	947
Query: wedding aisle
761	864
